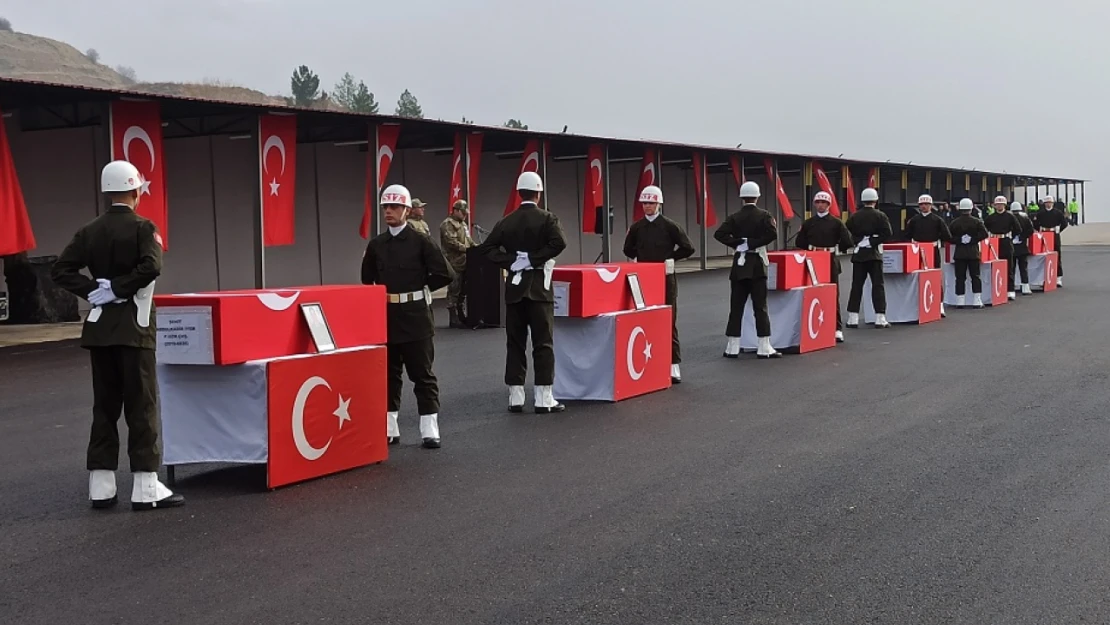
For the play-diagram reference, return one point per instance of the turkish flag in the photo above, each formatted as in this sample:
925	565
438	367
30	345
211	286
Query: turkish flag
593	194
850	189
643	352
382	154
999	269
873	178
1051	270
818	318
784	201
710	214
929	300
826	186
141	122
474	154
15	225
529	161
737	170
326	414
647	177
277	160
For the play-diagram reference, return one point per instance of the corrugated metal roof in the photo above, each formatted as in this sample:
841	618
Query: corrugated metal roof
381	118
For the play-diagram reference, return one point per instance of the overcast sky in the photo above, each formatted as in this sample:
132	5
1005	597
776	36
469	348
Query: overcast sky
1014	85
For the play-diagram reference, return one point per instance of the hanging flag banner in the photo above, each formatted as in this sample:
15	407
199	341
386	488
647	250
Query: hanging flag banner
380	155
737	167
15	226
593	193
141	122
473	163
277	168
784	201
529	161
826	186
647	177
707	205
849	189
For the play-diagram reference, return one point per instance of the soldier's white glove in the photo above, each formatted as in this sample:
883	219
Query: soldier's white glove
521	262
1017	240
668	266
966	239
107	285
102	296
865	243
743	247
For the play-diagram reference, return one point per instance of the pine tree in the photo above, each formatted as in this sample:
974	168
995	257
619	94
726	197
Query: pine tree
407	106
305	86
515	123
364	102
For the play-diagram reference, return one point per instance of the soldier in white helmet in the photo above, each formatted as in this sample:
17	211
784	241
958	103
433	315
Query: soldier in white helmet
410	266
825	233
870	228
929	228
1003	225
1053	221
967	232
525	243
658	239
1021	248
123	253
748	231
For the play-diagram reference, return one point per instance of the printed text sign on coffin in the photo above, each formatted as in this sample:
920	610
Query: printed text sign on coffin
591	290
988	250
231	327
326	414
907	257
787	270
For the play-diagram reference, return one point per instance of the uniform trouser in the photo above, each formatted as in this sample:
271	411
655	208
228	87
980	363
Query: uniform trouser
416	358
455	290
861	271
939	263
965	266
672	301
1020	263
1059	255
538	319
756	288
836	281
1010	278
124	378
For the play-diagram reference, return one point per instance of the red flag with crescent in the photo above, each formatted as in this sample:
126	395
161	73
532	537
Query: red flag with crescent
529	161
710	213
15	225
826	186
593	193
784	201
136	129
277	168
737	170
474	155
850	189
382	155
873	178
648	176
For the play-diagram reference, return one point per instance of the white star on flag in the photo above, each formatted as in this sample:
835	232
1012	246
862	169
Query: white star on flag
821	317
457	190
274	186
647	351
146	187
341	411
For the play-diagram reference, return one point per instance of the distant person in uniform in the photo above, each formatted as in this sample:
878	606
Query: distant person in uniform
454	240
1052	220
929	228
1021	247
967	232
525	243
1002	225
870	228
1073	212
123	253
410	266
416	218
826	234
748	231
659	239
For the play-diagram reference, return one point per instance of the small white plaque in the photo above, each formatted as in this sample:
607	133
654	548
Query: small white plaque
562	298
185	335
893	261
772	276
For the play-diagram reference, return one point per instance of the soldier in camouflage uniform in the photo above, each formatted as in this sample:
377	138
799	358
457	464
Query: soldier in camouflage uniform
455	239
416	217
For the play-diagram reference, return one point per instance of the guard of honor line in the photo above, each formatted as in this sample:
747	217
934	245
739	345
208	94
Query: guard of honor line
122	252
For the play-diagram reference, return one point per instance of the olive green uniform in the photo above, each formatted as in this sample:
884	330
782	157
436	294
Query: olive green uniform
454	240
124	248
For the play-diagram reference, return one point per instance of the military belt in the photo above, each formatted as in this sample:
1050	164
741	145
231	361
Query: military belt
823	249
404	298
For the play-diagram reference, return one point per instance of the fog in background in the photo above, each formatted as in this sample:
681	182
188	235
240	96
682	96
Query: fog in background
1006	85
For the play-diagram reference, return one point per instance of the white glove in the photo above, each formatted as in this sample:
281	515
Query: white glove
865	243
101	296
668	266
966	239
743	247
1017	240
521	262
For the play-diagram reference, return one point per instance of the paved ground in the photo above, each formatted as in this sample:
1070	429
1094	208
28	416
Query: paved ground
950	473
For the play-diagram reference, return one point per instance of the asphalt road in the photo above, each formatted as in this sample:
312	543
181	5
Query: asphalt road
949	473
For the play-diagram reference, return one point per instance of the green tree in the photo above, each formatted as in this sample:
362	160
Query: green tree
364	100
305	86
345	90
407	106
92	55
515	123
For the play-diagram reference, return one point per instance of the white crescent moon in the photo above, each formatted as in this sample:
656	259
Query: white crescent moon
998	283
801	258
275	301
928	296
650	168
384	150
607	275
273	141
534	157
632	373
455	169
303	446
596	163
809	319
135	132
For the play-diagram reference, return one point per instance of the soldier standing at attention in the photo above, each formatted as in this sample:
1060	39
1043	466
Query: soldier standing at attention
1053	220
659	239
416	218
1004	226
826	234
870	228
929	228
1021	247
967	232
454	240
525	243
123	253
749	231
410	267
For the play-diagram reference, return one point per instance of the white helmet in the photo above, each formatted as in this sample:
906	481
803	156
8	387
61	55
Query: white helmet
925	198
822	197
651	195
1048	199
869	195
1015	206
397	194
529	181
120	177
749	189
966	204
1000	200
